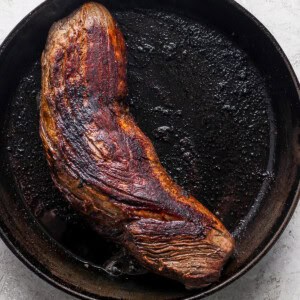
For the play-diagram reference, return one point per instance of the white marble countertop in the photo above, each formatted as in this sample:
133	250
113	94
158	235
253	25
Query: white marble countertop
277	275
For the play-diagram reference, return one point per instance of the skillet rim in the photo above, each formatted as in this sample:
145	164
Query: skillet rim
30	262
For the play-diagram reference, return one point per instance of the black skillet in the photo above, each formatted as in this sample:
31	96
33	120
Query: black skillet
217	96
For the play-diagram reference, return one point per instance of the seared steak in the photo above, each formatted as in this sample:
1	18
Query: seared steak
107	168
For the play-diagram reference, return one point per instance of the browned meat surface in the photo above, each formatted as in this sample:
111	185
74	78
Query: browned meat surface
105	165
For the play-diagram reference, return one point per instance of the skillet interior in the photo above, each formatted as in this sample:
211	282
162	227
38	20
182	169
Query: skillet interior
217	100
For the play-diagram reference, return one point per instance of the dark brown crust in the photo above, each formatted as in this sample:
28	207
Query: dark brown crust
105	165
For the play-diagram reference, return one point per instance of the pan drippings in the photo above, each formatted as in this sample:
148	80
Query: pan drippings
195	94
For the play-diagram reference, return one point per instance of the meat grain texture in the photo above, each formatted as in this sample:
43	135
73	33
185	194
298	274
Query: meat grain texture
105	165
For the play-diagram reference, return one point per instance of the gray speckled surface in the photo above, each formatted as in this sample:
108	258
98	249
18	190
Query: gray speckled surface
277	276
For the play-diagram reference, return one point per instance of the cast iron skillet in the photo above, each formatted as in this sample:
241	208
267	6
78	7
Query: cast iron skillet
218	98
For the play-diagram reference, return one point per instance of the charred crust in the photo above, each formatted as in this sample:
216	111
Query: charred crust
106	167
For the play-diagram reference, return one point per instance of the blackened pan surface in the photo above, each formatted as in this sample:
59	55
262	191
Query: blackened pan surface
220	104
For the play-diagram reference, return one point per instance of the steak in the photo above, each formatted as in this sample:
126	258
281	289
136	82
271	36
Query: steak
107	168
